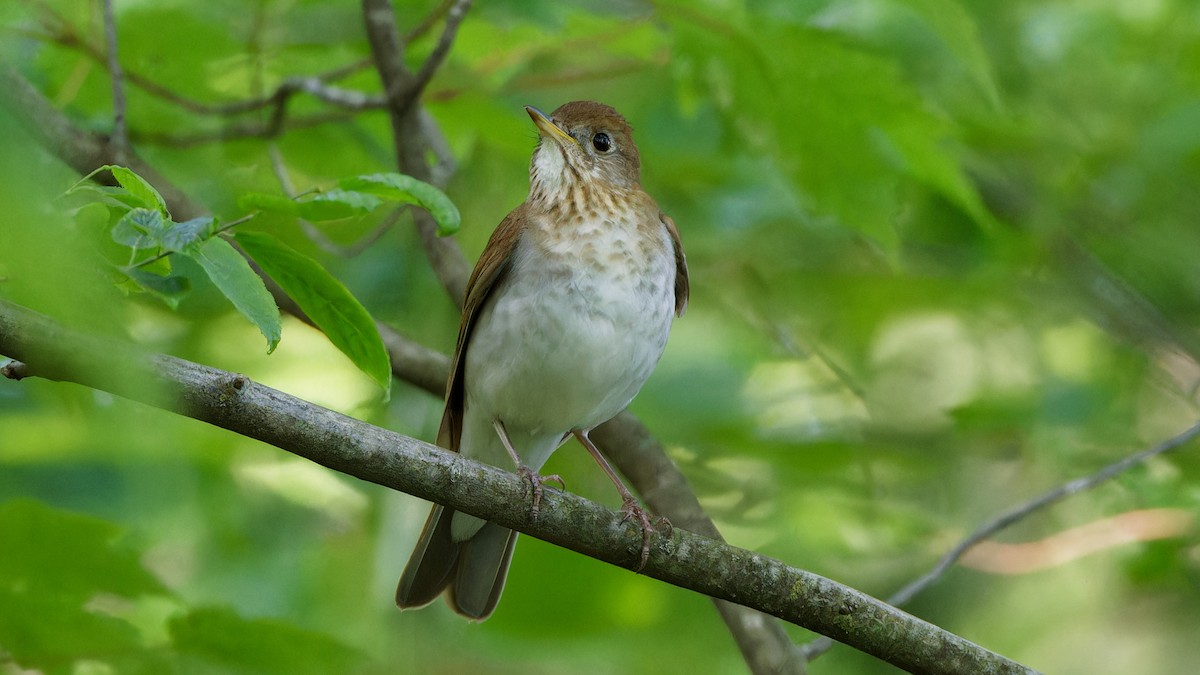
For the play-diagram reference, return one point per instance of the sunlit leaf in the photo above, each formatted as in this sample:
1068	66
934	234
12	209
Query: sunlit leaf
262	201
230	273
397	187
338	204
140	188
326	301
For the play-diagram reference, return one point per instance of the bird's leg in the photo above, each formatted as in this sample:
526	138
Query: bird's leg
631	508
535	479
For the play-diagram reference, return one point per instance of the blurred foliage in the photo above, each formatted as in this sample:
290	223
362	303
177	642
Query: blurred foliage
943	256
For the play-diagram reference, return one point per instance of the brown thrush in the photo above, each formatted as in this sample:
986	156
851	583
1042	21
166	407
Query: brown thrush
567	312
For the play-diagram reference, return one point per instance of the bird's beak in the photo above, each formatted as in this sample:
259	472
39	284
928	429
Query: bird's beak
548	128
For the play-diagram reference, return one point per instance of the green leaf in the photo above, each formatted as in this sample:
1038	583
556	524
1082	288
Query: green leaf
230	643
326	301
397	187
230	272
139	188
261	201
140	229
338	204
181	236
68	554
958	31
106	194
169	289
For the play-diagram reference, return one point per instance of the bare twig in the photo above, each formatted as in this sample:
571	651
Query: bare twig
272	128
313	232
120	138
1017	513
454	17
314	85
386	458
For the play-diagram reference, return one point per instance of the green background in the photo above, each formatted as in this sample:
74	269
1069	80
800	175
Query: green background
944	257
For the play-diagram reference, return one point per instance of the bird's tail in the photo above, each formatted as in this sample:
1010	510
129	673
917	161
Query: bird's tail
473	570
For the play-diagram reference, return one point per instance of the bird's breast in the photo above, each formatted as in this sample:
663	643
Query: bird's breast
577	325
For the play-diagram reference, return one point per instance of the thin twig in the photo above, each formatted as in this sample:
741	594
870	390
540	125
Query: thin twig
1015	514
417	85
279	167
314	85
272	128
120	137
219	231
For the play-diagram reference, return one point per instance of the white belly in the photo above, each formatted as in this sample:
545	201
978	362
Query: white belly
565	343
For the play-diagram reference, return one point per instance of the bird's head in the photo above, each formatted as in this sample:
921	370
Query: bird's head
583	144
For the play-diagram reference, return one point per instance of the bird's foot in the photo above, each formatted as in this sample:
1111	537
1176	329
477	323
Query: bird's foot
536	481
634	511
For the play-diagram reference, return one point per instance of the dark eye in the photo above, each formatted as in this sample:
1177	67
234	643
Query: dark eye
602	142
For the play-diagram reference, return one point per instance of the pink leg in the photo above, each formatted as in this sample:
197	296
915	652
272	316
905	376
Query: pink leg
535	479
630	507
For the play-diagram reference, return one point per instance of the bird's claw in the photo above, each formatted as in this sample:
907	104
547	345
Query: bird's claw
632	510
536	481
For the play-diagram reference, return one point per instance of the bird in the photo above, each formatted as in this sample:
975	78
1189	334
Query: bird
567	313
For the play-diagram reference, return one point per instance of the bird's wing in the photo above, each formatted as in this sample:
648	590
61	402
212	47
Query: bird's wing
682	287
489	272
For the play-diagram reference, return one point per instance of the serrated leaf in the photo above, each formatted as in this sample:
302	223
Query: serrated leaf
232	275
338	204
139	229
180	236
261	201
137	186
326	301
396	187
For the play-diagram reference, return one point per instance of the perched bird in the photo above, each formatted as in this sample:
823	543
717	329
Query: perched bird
567	312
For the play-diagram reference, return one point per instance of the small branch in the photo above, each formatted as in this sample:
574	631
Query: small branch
1017	513
415	86
409	136
314	85
273	128
80	149
313	232
120	137
389	459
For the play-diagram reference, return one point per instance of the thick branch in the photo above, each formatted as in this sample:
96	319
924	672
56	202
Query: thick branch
637	455
373	454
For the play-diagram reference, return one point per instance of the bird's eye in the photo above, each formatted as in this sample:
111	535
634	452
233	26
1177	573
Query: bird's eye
602	142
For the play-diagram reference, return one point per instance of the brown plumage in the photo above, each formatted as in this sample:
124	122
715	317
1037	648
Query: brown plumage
566	313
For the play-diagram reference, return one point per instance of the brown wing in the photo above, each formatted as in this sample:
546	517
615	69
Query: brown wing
682	287
489	271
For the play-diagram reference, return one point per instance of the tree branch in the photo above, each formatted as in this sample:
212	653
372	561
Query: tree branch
1016	514
625	440
386	458
120	138
408	133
